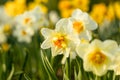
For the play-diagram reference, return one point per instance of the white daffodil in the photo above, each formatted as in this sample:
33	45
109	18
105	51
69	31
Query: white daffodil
26	19
97	56
82	24
23	34
34	19
3	37
60	40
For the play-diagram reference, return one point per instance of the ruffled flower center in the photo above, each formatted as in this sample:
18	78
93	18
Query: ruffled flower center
97	57
59	41
24	32
27	20
78	27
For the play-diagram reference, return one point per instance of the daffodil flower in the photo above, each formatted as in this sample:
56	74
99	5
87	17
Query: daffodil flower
60	40
82	24
23	34
27	19
34	19
97	56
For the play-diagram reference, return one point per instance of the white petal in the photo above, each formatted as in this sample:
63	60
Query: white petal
82	49
30	31
76	13
110	46
46	32
3	38
86	65
90	24
66	54
85	35
64	26
73	54
46	44
56	51
100	70
96	44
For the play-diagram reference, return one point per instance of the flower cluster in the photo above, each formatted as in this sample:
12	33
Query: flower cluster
28	23
72	37
68	33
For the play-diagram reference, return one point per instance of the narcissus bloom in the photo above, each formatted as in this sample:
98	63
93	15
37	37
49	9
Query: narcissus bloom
60	40
33	19
97	56
82	24
23	34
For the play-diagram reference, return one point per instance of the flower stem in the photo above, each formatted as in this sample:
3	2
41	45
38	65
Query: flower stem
113	76
24	65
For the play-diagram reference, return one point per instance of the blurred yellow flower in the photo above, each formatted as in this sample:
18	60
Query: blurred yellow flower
7	29
98	12
14	8
117	9
5	46
20	1
66	8
110	12
81	4
40	1
32	5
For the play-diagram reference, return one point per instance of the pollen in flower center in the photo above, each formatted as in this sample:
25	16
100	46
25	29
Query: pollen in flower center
59	41
24	32
97	57
27	20
78	27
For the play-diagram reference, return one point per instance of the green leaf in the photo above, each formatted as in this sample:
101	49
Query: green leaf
66	77
48	67
27	77
11	73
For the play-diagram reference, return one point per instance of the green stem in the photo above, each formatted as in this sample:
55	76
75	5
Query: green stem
24	65
113	76
97	78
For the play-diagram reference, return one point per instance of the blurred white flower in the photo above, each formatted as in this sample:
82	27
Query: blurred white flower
97	56
53	17
3	16
27	19
34	19
82	24
23	34
3	37
60	40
